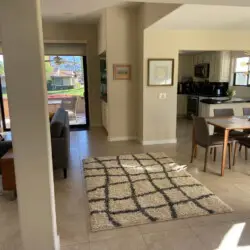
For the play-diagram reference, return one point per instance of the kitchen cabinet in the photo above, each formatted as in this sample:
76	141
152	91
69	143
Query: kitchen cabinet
181	105
225	63
213	67
200	58
219	61
104	106
186	66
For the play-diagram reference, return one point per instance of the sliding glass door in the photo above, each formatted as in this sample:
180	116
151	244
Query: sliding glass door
67	86
5	121
66	81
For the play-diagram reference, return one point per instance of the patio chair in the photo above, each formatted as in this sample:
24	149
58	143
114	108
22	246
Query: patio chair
70	105
203	139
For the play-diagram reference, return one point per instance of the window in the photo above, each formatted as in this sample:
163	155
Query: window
241	72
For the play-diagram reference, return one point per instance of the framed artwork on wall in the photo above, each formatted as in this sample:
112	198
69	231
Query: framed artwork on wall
160	72
122	72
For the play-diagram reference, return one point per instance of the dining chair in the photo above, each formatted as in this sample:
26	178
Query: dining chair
223	112
246	111
227	113
203	139
242	142
70	105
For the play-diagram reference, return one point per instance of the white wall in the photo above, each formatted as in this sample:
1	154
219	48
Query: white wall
140	68
102	33
153	12
21	29
80	33
159	116
121	93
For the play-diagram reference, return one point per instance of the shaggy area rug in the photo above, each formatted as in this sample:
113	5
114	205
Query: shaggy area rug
134	189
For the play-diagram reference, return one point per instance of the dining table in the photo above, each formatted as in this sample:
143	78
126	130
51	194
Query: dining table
228	124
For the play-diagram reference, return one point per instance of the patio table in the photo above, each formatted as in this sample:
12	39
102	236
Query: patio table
228	123
54	104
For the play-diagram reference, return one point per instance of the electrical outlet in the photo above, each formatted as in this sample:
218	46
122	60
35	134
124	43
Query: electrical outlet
162	96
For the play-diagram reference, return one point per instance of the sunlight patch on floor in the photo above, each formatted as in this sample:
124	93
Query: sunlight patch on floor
232	238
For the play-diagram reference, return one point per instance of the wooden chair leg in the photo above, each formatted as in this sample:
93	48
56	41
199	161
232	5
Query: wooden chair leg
215	153
246	153
211	151
195	150
235	151
229	155
193	153
205	162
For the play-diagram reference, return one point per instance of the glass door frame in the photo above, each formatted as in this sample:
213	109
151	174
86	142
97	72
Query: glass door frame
2	108
85	96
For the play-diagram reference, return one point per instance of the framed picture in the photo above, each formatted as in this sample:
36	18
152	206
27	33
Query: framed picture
122	72
160	72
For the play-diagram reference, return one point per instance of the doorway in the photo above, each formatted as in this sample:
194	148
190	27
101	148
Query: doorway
67	87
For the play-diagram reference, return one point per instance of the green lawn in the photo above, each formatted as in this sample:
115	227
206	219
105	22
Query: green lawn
78	92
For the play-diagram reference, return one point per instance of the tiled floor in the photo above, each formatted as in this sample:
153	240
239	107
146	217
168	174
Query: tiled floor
224	232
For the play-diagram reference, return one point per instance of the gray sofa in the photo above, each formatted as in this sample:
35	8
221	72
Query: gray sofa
60	140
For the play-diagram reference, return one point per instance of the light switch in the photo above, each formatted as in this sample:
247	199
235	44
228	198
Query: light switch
162	96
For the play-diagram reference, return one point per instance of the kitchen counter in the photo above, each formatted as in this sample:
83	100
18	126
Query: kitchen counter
207	107
227	101
201	95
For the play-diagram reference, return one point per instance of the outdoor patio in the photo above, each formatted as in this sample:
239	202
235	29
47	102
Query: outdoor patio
81	119
76	110
54	102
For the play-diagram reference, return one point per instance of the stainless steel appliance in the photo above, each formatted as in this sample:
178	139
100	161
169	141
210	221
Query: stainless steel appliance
192	106
218	92
202	70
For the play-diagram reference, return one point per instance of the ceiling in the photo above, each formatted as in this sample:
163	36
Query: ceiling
207	17
66	11
89	10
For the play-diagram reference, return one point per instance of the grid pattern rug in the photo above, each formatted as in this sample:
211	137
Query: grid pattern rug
134	189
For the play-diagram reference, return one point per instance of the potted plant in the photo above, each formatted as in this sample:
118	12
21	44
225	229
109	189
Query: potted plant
231	93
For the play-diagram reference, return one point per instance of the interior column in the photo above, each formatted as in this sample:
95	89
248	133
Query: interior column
22	41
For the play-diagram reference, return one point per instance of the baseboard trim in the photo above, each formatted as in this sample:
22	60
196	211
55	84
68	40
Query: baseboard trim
125	138
169	141
57	243
96	125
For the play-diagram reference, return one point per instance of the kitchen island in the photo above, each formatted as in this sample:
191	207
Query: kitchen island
207	107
